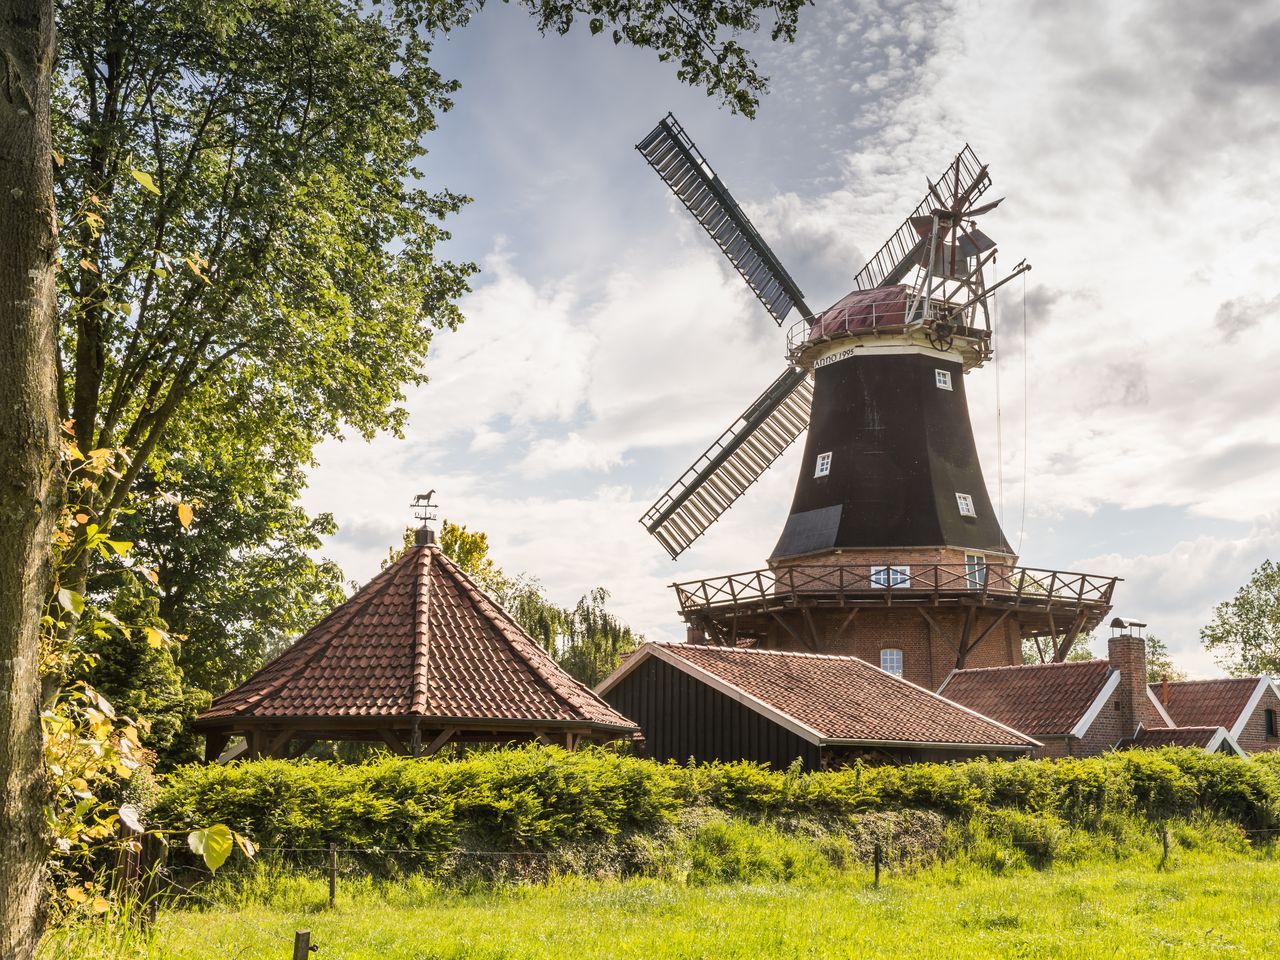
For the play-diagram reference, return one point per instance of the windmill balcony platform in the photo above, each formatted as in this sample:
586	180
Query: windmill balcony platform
1044	601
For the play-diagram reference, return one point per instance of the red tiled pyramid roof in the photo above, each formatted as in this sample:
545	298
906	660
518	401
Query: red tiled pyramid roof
1044	699
1216	703
844	698
419	640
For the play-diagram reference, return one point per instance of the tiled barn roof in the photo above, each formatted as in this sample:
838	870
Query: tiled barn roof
1044	699
835	698
1216	703
419	640
1173	737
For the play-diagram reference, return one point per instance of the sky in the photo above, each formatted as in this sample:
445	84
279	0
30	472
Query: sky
1128	425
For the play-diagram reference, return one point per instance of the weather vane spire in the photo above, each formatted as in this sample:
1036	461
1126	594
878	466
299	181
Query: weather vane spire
424	511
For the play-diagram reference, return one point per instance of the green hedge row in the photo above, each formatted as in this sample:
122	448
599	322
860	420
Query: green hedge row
541	798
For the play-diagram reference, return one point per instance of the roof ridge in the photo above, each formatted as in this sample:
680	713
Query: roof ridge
522	644
422	634
1029	666
1203	680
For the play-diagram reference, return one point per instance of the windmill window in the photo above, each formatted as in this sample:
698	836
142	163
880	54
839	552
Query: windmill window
891	576
943	379
975	570
965	503
823	466
891	661
1271	723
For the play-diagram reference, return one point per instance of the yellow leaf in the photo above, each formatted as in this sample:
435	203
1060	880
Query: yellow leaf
58	158
87	264
185	514
144	178
155	637
151	575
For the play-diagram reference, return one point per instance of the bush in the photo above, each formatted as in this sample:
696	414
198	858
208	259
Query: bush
610	808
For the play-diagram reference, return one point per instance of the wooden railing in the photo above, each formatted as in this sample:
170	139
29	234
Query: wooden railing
888	583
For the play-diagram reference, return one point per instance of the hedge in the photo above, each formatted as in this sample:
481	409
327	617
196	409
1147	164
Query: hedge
543	798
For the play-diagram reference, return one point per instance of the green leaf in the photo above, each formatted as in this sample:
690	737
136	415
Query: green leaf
121	547
144	178
130	817
71	601
213	843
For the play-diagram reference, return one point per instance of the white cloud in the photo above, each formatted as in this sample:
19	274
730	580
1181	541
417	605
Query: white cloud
1135	147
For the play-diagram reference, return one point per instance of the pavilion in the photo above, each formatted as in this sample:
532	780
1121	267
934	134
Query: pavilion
418	658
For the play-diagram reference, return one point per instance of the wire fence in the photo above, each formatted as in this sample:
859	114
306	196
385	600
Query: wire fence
183	885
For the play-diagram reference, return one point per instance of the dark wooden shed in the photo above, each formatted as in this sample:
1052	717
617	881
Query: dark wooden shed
730	703
418	658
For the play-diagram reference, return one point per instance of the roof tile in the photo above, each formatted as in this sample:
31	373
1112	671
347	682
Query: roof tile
844	698
1043	699
420	639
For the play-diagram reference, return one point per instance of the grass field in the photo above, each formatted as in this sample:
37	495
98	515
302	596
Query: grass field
1203	905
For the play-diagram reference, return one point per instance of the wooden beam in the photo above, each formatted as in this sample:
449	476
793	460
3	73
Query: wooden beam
214	744
1069	638
848	621
785	626
392	740
274	746
963	650
986	632
813	628
438	741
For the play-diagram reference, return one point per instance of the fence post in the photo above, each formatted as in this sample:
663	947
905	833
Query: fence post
333	875
155	857
876	860
302	945
1164	844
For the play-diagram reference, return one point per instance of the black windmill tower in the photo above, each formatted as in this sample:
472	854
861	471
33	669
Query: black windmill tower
892	550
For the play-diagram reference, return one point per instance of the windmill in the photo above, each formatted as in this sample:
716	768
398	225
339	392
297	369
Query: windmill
925	291
892	551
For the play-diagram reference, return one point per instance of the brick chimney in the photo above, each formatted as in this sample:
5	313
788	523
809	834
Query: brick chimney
1127	652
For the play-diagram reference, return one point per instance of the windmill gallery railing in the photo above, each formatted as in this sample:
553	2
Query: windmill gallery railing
887	584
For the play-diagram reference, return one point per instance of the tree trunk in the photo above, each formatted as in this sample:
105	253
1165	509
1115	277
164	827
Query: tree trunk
29	489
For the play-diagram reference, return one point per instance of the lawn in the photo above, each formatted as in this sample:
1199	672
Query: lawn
1202	906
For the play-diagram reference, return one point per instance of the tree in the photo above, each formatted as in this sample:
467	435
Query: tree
1160	664
1244	635
238	236
248	256
587	640
30	491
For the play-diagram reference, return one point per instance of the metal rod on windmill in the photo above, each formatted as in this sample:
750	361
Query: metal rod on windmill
918	308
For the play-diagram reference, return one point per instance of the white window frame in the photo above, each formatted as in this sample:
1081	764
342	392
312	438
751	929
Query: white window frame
942	379
891	575
975	570
965	504
823	465
887	664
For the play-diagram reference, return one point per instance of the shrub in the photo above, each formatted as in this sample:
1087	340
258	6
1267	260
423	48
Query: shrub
545	799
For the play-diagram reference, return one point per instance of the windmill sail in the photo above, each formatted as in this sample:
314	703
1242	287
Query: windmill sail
678	162
902	251
731	464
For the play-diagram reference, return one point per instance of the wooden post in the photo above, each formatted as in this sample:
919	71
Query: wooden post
876	860
155	857
333	875
1164	844
302	945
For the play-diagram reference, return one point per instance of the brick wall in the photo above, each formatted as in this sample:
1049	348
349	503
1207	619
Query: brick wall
1254	736
1128	654
927	655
